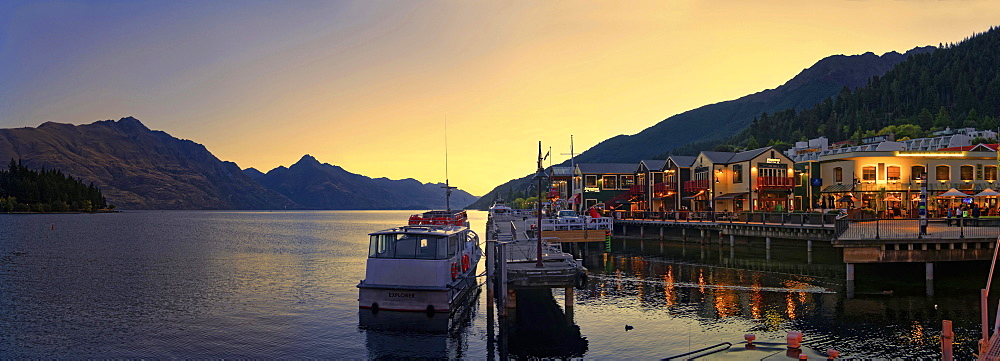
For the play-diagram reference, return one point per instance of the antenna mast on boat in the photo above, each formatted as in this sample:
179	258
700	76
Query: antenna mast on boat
447	186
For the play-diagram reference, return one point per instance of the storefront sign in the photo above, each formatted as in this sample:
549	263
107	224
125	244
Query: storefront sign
773	160
816	182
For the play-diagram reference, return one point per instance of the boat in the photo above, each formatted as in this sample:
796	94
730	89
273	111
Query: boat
428	265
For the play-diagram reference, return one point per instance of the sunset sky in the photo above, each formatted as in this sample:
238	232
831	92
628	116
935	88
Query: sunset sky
370	85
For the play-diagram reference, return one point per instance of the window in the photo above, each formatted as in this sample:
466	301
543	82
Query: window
943	173
966	172
627	181
591	181
838	174
868	173
737	173
990	172
917	172
408	246
609	182
892	172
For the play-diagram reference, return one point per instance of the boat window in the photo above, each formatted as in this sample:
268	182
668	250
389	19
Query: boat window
406	246
452	246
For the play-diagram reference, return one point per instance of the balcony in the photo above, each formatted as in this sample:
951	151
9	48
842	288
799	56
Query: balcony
637	189
696	185
775	182
664	187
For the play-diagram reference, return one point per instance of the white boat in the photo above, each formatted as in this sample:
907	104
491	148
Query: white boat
428	265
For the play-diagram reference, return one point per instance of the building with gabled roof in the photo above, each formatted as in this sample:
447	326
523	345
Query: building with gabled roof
597	183
756	179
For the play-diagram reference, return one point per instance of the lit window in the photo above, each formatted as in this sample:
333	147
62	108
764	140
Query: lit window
609	182
838	174
943	173
737	173
868	173
591	180
990	172
966	172
627	181
892	172
917	172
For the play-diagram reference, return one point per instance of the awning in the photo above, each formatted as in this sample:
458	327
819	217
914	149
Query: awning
837	188
696	195
731	195
987	193
953	193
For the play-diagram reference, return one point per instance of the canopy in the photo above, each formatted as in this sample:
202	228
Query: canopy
953	193
735	195
847	198
987	193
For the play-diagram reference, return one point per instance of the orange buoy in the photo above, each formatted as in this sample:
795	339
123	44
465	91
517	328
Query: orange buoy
465	262
454	271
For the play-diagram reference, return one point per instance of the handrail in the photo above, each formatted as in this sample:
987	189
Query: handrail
728	345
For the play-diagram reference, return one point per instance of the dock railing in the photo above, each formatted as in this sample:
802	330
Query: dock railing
566	224
909	229
781	218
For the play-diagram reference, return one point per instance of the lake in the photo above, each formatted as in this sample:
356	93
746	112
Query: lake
216	284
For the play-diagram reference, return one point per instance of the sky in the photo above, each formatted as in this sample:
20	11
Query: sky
379	87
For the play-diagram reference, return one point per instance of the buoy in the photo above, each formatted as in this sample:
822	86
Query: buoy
832	354
749	337
794	339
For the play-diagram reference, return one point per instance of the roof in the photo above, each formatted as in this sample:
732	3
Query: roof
748	155
730	157
683	161
837	188
654	164
974	148
606	168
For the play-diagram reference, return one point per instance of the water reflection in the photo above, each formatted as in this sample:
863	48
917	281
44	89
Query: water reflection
395	335
710	299
540	329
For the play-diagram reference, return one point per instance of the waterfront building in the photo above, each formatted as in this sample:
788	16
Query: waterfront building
884	179
560	191
597	183
669	194
948	138
758	179
641	195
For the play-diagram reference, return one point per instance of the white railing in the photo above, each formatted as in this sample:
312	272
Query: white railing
566	224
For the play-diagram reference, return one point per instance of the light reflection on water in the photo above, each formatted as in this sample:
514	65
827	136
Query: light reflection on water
282	285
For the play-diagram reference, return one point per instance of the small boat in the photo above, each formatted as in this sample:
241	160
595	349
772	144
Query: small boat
428	265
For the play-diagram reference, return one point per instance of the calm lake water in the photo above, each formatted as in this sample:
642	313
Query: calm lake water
179	284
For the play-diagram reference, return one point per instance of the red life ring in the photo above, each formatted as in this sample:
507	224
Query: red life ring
465	262
454	271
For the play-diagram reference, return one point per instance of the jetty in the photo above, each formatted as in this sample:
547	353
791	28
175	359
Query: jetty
513	249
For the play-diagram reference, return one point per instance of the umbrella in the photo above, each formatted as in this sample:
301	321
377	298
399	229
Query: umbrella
987	193
847	198
891	198
953	193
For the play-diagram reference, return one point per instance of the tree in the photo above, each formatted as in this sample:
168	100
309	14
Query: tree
752	143
942	119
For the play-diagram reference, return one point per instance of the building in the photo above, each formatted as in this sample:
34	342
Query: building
758	179
597	183
948	138
669	194
881	179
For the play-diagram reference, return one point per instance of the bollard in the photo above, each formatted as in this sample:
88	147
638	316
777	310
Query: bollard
749	337
794	339
832	354
947	336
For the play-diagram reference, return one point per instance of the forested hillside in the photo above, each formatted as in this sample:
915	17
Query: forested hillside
957	85
23	189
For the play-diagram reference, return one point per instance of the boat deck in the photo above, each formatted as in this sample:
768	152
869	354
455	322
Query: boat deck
521	254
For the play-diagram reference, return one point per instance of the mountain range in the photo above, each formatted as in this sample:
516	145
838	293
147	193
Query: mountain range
721	120
139	168
324	186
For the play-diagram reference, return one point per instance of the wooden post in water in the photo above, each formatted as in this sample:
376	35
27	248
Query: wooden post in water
732	240
947	336
850	280
929	276
490	274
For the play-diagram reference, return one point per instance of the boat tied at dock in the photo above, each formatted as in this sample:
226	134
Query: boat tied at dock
428	265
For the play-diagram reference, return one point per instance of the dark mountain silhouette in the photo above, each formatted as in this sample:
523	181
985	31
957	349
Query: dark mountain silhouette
716	121
138	168
721	120
324	186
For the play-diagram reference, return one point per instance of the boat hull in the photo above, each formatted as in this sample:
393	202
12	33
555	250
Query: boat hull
416	299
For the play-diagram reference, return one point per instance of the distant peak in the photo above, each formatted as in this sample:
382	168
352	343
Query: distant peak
308	159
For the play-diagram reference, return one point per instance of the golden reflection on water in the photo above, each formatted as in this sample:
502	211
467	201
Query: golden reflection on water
669	291
701	280
916	335
756	298
639	270
790	306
